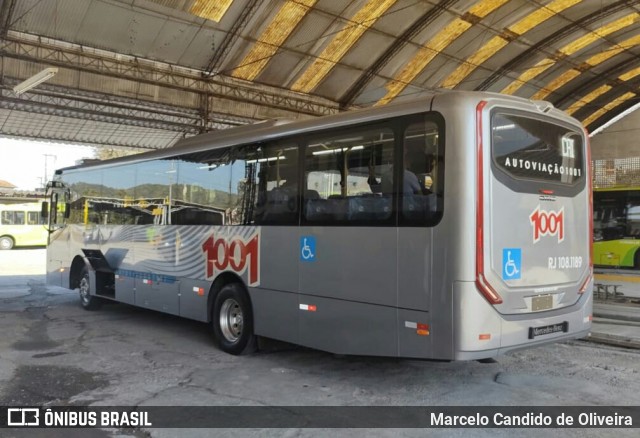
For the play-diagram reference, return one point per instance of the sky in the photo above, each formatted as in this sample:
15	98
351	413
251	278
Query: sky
23	162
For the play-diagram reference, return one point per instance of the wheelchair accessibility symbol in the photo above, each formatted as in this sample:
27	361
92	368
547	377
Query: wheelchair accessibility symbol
307	248
511	263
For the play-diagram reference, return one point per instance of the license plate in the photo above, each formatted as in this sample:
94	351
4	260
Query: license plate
548	329
543	302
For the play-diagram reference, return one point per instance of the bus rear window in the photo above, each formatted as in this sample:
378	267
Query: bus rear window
531	149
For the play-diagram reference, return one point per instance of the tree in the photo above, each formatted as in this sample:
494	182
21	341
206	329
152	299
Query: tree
106	153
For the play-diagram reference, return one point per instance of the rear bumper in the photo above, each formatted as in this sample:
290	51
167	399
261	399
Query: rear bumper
481	332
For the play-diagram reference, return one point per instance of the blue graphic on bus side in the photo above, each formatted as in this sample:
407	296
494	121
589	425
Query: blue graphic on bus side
307	248
511	263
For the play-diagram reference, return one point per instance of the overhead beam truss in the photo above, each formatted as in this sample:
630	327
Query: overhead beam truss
107	110
76	57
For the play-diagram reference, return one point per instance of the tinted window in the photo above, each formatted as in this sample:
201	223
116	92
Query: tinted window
349	177
531	149
616	215
271	186
85	187
34	218
210	187
117	205
206	189
13	217
125	195
422	190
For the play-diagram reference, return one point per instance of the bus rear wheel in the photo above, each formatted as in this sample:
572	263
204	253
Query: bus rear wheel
6	242
87	301
232	320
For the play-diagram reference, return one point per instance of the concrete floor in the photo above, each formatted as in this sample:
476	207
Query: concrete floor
53	351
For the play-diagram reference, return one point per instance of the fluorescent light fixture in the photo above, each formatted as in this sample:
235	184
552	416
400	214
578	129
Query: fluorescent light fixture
504	127
335	151
264	160
35	80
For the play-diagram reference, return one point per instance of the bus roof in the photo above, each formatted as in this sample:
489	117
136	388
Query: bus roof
27	206
277	128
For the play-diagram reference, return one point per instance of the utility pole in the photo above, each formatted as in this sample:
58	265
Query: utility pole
46	173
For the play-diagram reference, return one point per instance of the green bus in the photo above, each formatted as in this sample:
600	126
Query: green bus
616	227
22	225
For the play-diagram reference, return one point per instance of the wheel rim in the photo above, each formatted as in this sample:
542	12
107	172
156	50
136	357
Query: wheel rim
5	243
84	290
231	320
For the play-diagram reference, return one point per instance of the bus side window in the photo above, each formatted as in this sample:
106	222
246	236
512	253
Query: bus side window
345	177
13	218
423	174
33	218
7	218
275	184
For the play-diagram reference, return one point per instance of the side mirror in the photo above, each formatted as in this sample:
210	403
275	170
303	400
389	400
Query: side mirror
44	210
67	210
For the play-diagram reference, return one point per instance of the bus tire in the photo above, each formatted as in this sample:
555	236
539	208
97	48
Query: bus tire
636	260
6	242
232	320
87	301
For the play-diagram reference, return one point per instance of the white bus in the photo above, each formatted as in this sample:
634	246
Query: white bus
456	227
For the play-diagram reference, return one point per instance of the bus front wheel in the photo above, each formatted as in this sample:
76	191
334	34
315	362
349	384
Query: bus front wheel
6	242
88	301
232	320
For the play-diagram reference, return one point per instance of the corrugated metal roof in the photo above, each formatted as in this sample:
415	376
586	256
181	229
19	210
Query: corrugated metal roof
577	54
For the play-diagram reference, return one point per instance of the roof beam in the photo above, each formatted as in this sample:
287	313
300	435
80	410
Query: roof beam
280	27
346	35
69	108
617	100
607	76
164	75
37	136
418	26
614	112
6	12
519	62
225	46
436	46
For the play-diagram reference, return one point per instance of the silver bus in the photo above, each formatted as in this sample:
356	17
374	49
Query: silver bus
456	227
